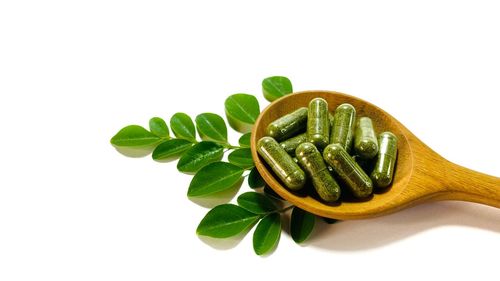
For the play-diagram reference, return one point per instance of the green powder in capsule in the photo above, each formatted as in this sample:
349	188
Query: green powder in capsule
383	171
288	125
281	163
365	140
318	125
311	160
351	173
343	126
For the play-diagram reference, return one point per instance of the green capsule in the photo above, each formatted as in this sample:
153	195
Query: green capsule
318	125
282	164
312	162
343	126
384	168
288	125
365	140
350	172
291	144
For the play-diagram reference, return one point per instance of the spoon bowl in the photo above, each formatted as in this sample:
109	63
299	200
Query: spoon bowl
420	174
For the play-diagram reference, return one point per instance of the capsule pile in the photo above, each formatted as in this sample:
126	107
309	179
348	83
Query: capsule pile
311	143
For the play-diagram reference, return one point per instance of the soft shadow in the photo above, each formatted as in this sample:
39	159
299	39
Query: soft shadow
134	152
382	190
167	160
269	191
224	243
219	197
357	235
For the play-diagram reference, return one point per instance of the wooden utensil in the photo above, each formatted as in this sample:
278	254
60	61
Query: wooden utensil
421	175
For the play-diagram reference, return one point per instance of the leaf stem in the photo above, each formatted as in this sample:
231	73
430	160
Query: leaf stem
229	146
285	209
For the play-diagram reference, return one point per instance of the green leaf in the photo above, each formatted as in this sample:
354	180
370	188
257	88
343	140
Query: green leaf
241	111
214	177
275	87
255	180
158	127
267	234
200	155
171	148
134	135
241	157
225	221
256	203
211	127
301	225
183	126
244	140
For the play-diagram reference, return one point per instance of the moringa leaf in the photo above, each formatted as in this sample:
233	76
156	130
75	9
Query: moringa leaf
275	87
214	177
267	234
255	180
241	157
244	140
134	135
211	127
241	111
225	221
301	224
158	127
199	155
183	126
171	148
256	203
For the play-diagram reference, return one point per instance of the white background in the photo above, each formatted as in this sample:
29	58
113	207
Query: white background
72	73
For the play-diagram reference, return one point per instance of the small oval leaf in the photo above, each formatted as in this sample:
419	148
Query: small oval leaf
225	221
199	156
256	203
301	224
211	127
134	135
241	157
183	126
241	111
214	177
255	180
275	87
171	148
158	127
267	234
244	140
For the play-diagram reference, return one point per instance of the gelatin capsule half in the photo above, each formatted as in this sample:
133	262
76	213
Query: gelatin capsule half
383	171
281	163
343	126
351	173
311	160
318	124
365	140
288	125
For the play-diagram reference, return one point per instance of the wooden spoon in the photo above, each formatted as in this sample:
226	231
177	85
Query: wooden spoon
421	174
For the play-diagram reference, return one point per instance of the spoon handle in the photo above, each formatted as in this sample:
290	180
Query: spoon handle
468	185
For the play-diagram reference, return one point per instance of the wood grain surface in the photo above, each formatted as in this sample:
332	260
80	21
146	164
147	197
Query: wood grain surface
421	174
